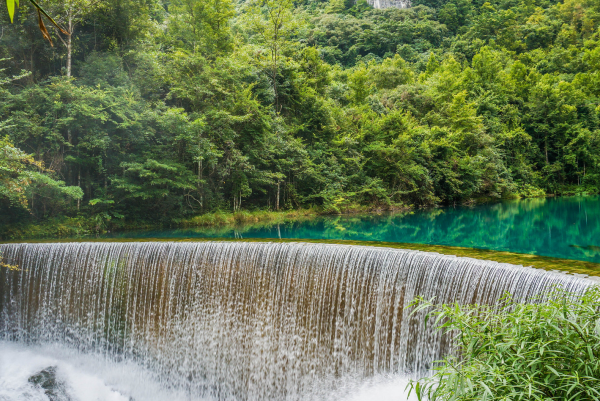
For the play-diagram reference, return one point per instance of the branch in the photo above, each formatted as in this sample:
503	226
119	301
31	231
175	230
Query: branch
41	10
60	37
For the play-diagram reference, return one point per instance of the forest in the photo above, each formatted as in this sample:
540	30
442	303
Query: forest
157	111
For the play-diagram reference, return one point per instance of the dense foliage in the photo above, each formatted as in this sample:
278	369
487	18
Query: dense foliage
542	351
160	110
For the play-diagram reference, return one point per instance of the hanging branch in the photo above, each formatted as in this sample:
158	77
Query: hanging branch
13	4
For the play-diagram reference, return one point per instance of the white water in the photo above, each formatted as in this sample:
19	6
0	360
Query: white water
84	377
389	3
236	321
90	378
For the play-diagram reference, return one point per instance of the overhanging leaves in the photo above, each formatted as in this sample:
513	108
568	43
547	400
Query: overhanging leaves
13	4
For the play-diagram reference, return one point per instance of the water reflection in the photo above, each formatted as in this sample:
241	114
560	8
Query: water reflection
559	227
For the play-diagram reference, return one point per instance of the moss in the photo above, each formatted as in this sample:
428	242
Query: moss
539	262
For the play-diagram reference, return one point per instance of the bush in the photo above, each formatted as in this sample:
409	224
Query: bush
547	350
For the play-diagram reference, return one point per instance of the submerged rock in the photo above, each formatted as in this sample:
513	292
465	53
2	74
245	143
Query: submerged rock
53	388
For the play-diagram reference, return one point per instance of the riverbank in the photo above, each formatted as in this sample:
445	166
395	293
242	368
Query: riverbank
219	218
73	227
81	226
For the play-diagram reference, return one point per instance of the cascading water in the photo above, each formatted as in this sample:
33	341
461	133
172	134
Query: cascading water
247	321
390	3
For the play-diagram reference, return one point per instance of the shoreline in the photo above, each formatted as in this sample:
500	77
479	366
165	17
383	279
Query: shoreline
84	226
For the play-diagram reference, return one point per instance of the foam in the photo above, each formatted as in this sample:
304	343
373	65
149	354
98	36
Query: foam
91	378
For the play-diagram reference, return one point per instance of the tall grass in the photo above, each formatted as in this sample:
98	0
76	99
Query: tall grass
546	350
220	218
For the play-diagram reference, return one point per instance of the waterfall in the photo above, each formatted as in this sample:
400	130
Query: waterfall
389	3
248	321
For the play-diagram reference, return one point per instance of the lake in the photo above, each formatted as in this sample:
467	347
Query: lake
565	227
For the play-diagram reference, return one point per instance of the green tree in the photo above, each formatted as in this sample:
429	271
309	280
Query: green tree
71	14
274	24
202	26
21	175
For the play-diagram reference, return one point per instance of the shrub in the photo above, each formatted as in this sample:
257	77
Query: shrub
546	350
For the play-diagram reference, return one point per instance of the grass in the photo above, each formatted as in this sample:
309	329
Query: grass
244	217
536	261
69	227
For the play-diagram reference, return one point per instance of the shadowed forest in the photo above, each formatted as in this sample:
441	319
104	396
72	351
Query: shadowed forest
158	110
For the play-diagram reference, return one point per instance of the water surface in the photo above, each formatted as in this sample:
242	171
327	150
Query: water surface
566	227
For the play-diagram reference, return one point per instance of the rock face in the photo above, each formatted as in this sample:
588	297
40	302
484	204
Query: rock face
389	3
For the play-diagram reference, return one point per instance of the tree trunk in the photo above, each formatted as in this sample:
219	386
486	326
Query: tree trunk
105	175
274	57
200	184
274	77
69	49
69	166
69	44
79	185
277	201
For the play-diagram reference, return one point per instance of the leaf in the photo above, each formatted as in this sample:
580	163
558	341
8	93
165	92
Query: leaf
10	4
43	29
94	202
41	10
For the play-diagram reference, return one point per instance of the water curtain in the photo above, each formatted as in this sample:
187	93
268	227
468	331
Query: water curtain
248	321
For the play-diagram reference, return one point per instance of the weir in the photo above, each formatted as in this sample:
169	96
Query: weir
248	321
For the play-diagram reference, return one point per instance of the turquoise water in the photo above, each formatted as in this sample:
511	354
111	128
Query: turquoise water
560	227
